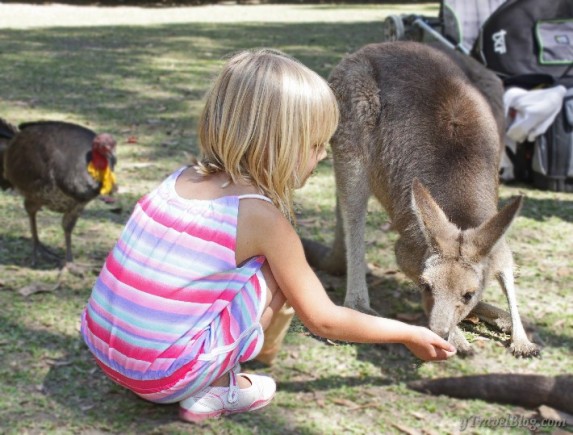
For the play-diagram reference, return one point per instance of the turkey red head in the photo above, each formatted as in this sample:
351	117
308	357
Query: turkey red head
103	150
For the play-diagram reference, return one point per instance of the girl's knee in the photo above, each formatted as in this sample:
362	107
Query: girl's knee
269	277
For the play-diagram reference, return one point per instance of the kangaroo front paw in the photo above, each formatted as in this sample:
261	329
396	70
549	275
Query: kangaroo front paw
465	351
463	347
524	349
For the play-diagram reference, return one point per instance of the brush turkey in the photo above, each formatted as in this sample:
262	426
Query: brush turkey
57	165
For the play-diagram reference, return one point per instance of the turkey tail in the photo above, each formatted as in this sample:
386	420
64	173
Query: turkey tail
529	391
7	132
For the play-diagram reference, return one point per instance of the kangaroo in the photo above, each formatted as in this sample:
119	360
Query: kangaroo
416	134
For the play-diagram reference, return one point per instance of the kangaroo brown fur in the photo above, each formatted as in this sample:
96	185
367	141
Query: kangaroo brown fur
416	134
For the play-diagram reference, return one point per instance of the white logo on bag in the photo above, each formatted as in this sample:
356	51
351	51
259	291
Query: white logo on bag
499	42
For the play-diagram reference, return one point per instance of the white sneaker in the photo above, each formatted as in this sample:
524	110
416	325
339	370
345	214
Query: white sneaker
213	402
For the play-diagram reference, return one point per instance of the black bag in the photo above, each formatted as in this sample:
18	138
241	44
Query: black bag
529	41
552	158
529	44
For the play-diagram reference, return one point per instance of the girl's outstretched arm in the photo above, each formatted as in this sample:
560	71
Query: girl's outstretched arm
263	230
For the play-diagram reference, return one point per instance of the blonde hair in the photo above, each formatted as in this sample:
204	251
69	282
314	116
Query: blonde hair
262	116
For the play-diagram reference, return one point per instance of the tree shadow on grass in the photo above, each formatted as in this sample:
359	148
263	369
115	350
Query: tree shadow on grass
18	252
553	339
94	399
542	209
16	249
122	76
89	398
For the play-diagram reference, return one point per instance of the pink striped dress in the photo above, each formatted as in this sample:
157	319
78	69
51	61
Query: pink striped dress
170	311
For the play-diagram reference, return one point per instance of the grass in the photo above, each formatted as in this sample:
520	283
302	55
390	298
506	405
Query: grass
146	82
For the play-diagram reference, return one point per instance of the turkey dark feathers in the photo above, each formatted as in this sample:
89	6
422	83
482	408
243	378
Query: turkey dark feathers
60	166
7	132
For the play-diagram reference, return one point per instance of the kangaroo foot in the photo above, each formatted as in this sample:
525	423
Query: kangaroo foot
524	349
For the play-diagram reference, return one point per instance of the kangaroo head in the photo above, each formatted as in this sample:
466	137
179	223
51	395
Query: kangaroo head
457	262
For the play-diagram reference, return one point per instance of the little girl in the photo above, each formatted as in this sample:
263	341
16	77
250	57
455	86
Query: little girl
209	256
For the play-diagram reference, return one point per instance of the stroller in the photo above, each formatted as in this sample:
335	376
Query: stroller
529	45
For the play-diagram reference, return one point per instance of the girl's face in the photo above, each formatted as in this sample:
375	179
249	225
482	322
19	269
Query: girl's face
317	154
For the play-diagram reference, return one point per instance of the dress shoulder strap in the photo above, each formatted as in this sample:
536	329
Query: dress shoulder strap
255	196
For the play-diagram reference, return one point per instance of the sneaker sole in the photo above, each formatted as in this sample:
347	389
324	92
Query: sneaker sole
195	417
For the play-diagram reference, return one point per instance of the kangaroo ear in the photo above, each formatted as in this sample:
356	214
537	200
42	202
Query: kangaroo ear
435	226
483	238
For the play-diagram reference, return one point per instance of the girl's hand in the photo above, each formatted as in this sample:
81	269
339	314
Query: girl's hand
429	346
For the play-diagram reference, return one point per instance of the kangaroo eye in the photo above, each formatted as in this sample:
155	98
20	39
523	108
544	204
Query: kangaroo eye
467	297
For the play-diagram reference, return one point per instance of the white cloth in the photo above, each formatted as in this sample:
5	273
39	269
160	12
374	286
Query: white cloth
534	110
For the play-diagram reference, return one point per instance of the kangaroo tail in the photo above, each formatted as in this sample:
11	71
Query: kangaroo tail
517	389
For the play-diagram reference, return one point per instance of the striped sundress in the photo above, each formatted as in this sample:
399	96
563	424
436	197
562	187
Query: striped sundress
170	311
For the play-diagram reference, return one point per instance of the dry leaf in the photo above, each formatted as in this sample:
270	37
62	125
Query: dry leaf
308	222
549	413
36	287
406	430
563	271
319	398
345	402
480	341
61	363
374	266
354	406
474	320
